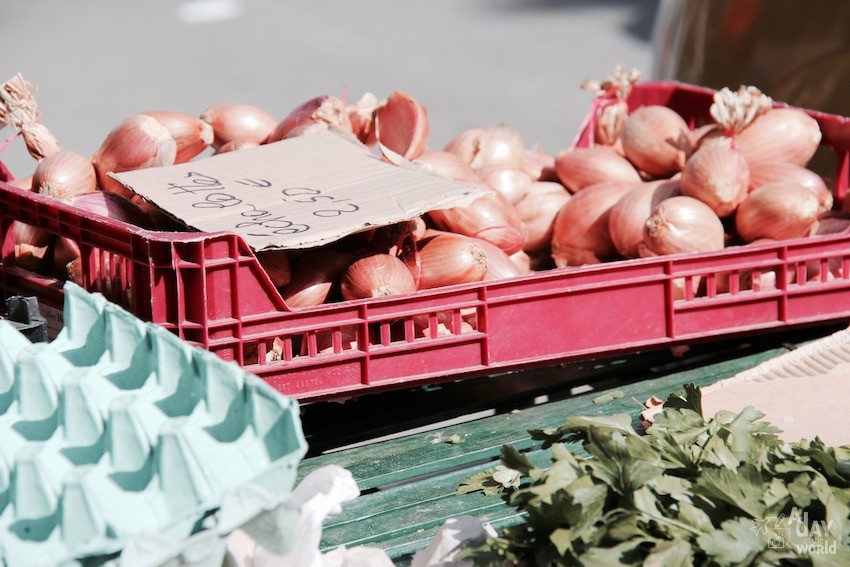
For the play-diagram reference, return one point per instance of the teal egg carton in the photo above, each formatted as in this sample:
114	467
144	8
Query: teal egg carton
118	432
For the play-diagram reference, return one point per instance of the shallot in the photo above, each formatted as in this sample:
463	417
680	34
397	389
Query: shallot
491	217
327	110
779	211
538	209
501	266
136	143
682	225
481	147
234	123
613	111
581	167
64	174
377	275
192	135
630	213
509	181
538	165
580	232
781	134
448	259
655	139
18	109
717	176
764	133
276	265
767	172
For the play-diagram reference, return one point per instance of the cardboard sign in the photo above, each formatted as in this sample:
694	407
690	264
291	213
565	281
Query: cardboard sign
296	193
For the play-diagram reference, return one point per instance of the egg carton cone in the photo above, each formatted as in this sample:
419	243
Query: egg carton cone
120	435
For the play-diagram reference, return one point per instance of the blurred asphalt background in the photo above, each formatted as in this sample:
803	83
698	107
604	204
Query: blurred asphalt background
471	62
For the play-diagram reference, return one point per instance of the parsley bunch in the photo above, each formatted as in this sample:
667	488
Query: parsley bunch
691	491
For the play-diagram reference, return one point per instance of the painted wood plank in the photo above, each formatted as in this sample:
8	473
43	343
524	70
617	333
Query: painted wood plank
402	518
402	459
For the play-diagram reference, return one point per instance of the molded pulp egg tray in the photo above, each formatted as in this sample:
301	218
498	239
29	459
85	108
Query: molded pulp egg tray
120	435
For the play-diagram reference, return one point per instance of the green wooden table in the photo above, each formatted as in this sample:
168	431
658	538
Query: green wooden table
398	444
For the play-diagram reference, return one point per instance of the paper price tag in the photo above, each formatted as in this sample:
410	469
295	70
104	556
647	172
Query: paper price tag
296	193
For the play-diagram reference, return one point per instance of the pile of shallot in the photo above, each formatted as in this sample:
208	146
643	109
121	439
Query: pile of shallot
652	186
649	186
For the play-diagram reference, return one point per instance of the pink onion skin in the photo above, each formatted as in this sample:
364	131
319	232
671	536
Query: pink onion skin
401	124
767	172
780	134
326	108
630	213
236	145
465	145
361	114
609	122
538	210
509	181
491	217
522	261
779	211
717	176
578	168
580	232
448	165
539	165
682	225
191	134
655	139
32	246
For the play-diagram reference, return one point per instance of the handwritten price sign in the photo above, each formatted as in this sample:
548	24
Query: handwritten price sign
296	193
211	193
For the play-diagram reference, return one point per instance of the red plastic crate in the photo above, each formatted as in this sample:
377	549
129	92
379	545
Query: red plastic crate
210	290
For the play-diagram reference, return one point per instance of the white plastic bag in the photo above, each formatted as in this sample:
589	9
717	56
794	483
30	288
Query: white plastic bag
449	540
318	496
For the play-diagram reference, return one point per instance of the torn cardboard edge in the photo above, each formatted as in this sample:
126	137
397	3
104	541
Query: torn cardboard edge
297	193
815	358
803	393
